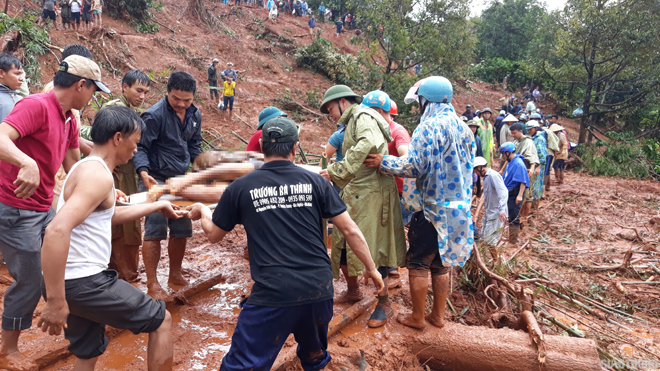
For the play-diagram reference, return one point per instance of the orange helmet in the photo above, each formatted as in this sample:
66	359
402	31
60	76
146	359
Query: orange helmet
394	110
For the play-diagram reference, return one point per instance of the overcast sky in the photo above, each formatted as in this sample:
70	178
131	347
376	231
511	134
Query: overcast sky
479	5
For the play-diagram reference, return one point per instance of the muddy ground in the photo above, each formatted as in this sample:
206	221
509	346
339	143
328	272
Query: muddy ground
583	223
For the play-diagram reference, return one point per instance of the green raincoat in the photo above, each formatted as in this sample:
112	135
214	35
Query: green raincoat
371	198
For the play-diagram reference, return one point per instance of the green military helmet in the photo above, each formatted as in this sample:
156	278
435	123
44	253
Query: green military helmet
336	92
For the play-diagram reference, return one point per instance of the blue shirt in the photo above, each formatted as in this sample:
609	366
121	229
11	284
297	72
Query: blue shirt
336	140
311	23
441	157
516	173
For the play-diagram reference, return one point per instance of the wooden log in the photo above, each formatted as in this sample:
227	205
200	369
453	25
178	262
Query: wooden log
186	293
474	348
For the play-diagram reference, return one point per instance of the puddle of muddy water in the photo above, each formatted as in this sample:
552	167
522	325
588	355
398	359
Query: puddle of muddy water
201	334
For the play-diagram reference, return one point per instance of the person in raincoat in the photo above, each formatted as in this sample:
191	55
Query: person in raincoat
533	128
441	235
372	198
486	134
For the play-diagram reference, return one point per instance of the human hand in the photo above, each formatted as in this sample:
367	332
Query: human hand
503	218
53	317
373	160
27	181
537	171
148	180
324	173
195	211
120	196
376	277
170	210
519	199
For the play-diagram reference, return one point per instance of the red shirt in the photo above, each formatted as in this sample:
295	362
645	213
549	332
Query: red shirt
253	144
400	137
46	134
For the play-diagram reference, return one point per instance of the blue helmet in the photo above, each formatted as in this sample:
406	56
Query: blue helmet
378	99
508	147
269	113
436	89
535	116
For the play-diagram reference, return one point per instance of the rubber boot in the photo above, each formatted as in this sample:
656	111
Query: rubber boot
535	204
514	230
546	181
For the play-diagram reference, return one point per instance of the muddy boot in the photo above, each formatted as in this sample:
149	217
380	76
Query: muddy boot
535	204
514	230
382	312
546	181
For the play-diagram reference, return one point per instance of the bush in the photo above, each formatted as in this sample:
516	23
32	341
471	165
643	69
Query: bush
32	39
625	157
494	70
321	57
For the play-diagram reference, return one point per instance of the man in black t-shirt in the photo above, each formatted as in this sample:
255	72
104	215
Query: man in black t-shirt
282	207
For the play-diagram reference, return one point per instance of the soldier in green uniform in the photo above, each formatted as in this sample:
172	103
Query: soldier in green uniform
127	238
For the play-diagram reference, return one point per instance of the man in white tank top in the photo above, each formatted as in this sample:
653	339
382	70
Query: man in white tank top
82	295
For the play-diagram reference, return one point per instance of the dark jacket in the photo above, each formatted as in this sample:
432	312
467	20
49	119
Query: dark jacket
311	23
167	148
212	74
469	114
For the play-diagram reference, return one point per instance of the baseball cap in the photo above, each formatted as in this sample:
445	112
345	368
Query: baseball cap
84	68
267	114
280	130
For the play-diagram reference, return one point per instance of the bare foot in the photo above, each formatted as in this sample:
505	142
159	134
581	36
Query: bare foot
156	292
178	280
17	361
410	322
436	321
350	296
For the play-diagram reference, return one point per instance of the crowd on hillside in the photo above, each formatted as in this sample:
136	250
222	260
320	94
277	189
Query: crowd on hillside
85	247
79	15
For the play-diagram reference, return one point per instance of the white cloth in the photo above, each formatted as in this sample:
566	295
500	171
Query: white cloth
75	6
91	241
531	107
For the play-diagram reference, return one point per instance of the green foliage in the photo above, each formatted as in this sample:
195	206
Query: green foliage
494	70
321	57
32	39
138	10
625	157
141	27
314	98
506	28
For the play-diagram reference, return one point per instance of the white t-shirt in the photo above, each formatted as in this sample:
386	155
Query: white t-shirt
75	6
91	240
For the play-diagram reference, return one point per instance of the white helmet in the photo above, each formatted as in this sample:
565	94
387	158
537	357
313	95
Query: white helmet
532	124
502	112
480	161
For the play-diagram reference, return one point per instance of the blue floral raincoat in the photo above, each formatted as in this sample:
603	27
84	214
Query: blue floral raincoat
441	157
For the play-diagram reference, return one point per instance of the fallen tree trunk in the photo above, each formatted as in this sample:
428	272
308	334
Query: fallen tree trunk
473	348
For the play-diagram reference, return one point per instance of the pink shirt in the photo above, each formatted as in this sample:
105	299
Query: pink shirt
400	137
46	135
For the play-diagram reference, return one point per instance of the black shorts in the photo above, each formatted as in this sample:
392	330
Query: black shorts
102	299
424	254
75	17
49	14
559	164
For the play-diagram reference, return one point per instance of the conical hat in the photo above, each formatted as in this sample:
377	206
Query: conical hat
556	127
510	118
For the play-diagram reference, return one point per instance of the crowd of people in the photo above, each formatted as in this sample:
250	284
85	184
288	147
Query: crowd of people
436	182
79	15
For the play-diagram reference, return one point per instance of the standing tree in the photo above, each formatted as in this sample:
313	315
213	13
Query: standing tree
506	28
608	51
399	34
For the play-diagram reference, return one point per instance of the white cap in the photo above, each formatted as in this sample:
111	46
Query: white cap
502	113
532	124
480	161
